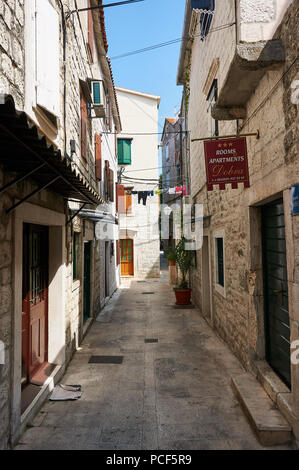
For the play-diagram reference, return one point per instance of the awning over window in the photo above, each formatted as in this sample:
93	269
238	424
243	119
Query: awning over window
96	216
26	151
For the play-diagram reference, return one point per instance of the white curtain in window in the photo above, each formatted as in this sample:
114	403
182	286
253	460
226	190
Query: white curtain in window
47	57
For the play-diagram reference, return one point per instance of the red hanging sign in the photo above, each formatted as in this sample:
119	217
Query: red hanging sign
226	163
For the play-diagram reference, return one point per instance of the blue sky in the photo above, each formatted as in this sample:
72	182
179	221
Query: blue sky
143	24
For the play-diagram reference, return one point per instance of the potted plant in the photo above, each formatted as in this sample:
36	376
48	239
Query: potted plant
171	256
184	260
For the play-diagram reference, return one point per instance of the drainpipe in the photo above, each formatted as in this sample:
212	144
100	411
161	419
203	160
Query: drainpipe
236	20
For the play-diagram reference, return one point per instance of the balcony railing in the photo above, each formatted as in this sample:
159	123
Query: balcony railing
204	11
204	18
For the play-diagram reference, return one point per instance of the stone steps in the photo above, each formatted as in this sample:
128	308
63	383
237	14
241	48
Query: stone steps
266	420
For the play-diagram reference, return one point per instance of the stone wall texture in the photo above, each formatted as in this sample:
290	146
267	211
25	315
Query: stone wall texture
11	81
11	49
5	316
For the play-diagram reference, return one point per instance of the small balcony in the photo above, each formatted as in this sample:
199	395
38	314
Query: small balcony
257	52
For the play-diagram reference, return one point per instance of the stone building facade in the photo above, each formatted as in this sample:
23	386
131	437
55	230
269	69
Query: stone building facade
58	176
170	155
12	51
12	81
171	173
138	165
239	76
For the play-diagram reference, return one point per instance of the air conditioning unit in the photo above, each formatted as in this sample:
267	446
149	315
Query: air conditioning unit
98	94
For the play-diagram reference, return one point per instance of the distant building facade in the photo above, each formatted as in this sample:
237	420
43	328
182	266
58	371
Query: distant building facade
171	173
138	169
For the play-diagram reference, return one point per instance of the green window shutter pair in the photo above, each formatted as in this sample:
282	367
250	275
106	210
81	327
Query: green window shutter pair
96	93
124	151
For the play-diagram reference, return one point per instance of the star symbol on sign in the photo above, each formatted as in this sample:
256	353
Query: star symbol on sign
224	145
230	144
219	145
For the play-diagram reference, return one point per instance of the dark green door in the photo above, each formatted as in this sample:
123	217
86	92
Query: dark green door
277	322
86	295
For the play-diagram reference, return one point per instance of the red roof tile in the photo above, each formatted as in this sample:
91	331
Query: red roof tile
171	120
103	27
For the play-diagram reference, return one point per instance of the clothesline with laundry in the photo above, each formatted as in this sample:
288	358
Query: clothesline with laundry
143	195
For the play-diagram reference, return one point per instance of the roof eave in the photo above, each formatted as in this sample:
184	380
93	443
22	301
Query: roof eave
102	48
139	93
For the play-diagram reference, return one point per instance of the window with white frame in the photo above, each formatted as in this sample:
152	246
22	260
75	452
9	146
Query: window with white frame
219	261
166	153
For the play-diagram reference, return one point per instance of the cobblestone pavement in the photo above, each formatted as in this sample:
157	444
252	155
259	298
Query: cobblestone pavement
172	394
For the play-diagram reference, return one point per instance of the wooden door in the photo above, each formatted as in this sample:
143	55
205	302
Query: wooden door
107	272
127	257
277	321
128	203
35	300
206	302
86	291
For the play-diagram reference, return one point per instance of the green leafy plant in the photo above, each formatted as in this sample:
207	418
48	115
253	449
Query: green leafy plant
184	260
171	256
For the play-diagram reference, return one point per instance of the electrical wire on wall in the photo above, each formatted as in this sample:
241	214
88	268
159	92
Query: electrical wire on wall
154	168
144	133
269	94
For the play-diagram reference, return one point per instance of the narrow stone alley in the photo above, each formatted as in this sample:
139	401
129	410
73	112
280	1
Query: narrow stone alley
174	393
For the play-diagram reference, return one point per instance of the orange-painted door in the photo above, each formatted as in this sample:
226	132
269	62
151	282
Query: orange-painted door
35	300
127	257
128	203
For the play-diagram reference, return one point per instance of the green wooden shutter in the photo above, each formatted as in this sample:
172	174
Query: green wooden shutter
96	93
120	151
127	151
124	151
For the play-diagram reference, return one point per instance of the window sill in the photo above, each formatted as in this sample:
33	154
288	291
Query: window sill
76	284
47	118
220	289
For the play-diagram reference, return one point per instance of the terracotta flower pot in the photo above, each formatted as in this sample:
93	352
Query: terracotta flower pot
171	263
183	296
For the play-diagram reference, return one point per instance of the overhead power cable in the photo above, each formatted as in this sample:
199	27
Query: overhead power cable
143	133
101	7
155	168
150	181
144	179
169	43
